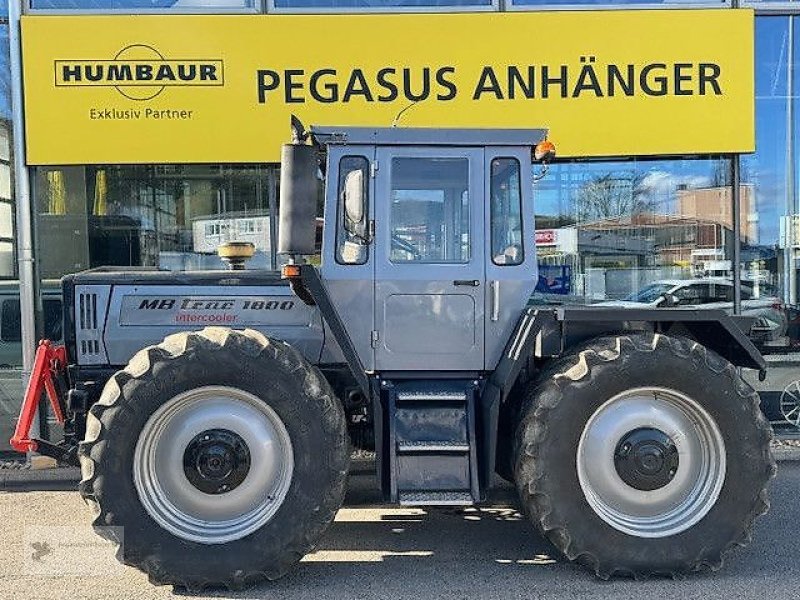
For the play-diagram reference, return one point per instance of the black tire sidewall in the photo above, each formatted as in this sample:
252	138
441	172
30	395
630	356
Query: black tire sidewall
319	447
675	364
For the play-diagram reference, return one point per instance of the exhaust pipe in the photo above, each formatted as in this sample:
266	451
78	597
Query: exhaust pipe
299	194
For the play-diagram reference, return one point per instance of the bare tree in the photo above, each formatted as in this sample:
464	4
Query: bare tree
612	195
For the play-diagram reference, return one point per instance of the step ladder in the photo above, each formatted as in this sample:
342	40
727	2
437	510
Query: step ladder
431	442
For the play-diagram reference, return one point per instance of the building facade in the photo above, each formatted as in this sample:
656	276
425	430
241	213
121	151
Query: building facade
625	222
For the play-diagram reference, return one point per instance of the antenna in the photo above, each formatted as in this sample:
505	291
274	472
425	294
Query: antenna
400	114
299	133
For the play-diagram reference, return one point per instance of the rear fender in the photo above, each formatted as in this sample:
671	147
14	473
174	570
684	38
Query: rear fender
714	329
549	332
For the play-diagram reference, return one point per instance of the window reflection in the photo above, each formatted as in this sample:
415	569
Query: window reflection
176	5
381	4
606	3
430	210
607	230
168	216
769	256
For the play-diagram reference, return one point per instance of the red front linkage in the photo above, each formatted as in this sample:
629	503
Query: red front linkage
50	361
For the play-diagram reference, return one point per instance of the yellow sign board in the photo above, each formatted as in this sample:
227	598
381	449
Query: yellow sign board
209	89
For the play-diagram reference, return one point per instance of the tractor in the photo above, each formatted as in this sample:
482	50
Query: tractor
214	413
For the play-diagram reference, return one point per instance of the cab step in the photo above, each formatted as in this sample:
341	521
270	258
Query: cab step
438	446
436	499
431	441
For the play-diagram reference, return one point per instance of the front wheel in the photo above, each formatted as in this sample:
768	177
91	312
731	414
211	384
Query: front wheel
643	454
220	455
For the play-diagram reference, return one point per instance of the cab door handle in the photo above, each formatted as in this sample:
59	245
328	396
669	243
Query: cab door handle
469	282
494	314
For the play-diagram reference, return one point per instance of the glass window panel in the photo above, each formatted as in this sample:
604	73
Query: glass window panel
430	210
11	377
169	216
766	170
8	261
607	3
10	321
53	319
769	266
5	133
6	218
628	232
506	212
372	4
352	242
769	252
5	91
5	180
167	5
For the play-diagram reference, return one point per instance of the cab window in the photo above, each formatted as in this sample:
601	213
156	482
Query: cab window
506	212
430	210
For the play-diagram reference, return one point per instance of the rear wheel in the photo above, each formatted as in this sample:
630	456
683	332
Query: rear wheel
222	455
643	454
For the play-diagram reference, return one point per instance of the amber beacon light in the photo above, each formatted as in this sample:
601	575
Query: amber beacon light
544	151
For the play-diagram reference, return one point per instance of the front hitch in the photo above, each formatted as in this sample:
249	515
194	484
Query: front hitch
49	367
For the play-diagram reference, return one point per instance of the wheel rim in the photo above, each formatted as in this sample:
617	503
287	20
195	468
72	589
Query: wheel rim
658	491
790	403
213	464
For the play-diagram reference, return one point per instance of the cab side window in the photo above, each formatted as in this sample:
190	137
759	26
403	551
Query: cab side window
352	231
506	212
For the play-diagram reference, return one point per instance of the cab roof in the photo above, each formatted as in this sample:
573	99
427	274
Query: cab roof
426	136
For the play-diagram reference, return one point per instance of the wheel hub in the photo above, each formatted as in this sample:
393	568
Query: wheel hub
195	480
627	462
216	461
646	459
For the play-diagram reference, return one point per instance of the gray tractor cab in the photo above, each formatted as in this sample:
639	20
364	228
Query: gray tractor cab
425	281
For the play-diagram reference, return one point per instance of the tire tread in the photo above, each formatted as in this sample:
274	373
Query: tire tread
112	406
547	393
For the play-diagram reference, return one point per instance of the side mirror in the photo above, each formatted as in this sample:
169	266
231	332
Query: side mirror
354	196
354	203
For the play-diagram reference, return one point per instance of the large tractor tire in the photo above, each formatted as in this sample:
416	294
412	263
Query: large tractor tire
220	456
643	455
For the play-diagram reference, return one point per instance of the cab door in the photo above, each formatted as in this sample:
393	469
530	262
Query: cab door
429	259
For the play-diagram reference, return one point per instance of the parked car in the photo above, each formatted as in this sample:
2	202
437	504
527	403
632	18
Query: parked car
769	330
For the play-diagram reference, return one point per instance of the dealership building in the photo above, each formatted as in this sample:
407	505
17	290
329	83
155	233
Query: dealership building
147	132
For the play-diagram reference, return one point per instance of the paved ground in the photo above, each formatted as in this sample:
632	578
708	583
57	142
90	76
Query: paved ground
395	553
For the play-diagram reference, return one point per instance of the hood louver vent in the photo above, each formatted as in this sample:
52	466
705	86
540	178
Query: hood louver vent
90	307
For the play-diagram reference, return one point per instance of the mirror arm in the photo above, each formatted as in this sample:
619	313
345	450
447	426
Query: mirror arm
542	172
